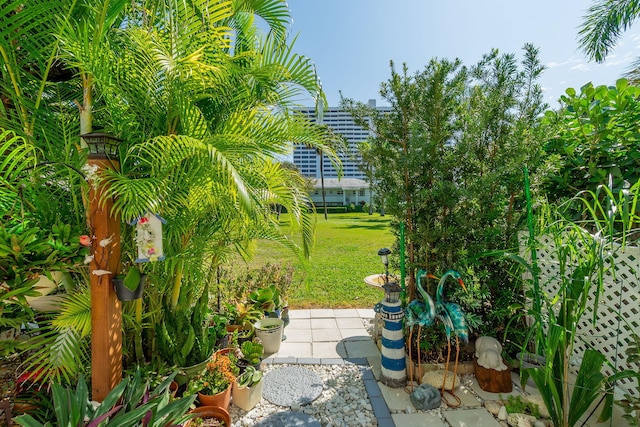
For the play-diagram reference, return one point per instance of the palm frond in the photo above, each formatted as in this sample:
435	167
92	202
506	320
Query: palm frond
603	24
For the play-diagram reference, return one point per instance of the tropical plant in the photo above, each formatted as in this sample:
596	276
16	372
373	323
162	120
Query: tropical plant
130	403
251	352
207	107
594	138
603	25
266	299
250	377
581	260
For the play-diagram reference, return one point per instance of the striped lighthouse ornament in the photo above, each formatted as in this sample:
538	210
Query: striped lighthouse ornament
394	372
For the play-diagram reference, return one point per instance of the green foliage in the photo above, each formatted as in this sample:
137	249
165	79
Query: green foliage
596	137
631	404
131	402
252	351
184	337
581	260
447	162
250	377
519	405
266	299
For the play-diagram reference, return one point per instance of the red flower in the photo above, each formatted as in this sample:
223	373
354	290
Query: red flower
143	220
85	240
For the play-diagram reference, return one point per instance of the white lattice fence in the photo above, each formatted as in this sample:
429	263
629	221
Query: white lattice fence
618	306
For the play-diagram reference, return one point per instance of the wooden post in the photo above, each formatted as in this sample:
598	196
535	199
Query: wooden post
106	309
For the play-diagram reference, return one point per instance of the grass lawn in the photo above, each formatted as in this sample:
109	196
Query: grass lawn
345	252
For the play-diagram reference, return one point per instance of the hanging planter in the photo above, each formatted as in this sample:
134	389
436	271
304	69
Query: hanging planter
149	237
130	287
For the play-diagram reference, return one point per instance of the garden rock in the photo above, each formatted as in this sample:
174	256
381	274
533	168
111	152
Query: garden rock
521	420
426	397
502	413
493	407
536	399
437	378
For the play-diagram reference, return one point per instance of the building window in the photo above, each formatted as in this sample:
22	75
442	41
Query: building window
361	192
339	192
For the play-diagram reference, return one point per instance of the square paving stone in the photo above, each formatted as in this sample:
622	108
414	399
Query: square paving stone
297	335
420	419
324	324
470	417
299	314
355	334
329	350
322	313
325	335
361	348
350	323
346	312
298	324
294	349
397	399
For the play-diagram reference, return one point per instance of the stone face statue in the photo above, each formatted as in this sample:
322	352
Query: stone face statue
489	353
425	397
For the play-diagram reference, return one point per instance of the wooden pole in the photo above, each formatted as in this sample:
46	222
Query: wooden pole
106	309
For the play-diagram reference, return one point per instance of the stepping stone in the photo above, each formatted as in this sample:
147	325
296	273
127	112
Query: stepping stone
291	385
289	419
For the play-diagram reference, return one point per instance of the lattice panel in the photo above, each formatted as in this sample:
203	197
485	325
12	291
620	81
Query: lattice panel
618	306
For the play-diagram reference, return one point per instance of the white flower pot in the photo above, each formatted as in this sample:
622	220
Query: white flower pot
45	286
269	331
246	397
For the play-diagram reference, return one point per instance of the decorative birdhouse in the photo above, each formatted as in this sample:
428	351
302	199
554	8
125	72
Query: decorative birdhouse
149	237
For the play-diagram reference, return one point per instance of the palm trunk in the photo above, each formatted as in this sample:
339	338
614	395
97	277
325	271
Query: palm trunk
324	200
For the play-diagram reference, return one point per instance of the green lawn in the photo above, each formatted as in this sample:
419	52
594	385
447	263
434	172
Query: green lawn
345	252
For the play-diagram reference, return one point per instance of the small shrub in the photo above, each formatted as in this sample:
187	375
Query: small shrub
518	405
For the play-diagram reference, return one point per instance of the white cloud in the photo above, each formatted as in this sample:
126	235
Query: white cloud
581	67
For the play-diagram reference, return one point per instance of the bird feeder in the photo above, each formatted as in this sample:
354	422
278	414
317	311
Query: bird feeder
149	237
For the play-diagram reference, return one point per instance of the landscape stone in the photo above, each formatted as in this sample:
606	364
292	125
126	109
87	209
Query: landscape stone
426	397
436	379
502	413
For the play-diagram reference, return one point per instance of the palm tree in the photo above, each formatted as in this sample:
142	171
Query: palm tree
203	103
603	25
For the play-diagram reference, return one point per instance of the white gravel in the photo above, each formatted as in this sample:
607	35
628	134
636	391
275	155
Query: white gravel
343	401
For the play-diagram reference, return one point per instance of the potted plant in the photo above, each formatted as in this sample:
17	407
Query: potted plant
130	285
267	300
247	389
241	316
269	332
209	412
250	355
213	386
132	402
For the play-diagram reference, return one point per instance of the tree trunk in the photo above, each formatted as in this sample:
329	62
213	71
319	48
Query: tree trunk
324	200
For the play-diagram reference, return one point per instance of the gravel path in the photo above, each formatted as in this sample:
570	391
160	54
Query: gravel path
343	401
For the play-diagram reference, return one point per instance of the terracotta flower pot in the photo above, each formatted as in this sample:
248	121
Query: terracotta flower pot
221	399
218	413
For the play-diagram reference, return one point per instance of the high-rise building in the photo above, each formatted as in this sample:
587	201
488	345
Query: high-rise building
307	159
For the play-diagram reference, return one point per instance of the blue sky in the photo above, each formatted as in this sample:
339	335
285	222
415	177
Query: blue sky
352	41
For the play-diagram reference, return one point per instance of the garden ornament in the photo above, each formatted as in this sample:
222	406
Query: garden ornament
425	397
488	353
452	316
419	312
